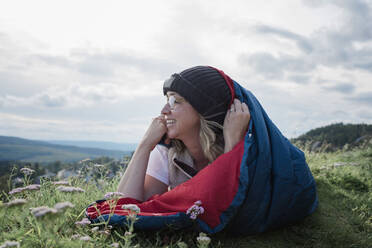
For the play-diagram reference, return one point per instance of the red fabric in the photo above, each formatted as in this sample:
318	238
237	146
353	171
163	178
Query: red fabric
206	186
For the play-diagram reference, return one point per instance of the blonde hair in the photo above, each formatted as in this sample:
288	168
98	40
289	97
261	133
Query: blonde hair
211	141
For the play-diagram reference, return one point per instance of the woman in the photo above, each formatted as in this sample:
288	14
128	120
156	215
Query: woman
261	182
197	127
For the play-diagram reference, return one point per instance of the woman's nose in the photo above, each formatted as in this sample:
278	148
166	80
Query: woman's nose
166	109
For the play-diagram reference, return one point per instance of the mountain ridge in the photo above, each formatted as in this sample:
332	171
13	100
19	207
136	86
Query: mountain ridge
20	149
108	145
335	136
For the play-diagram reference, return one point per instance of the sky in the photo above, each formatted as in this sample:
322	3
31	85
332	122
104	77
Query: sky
94	70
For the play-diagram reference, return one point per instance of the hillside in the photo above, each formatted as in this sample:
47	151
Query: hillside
343	218
18	149
335	136
96	144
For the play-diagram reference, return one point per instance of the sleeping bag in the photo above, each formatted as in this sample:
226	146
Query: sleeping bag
263	183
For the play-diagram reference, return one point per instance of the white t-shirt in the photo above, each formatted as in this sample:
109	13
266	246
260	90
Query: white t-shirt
158	164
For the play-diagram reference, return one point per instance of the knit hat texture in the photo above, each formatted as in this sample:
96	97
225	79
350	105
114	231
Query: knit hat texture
205	89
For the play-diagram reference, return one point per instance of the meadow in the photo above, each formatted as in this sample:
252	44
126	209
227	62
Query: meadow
343	218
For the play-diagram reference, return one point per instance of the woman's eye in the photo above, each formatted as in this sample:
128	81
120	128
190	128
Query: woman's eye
172	101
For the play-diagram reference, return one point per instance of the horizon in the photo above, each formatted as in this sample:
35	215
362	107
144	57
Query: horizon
97	75
133	143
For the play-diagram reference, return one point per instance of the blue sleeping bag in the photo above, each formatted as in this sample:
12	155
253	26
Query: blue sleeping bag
263	183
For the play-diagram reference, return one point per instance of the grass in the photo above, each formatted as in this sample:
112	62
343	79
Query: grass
343	218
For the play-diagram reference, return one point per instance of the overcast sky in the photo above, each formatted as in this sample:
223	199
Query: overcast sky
93	70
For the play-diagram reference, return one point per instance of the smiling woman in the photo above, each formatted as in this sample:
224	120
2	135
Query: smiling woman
212	156
193	131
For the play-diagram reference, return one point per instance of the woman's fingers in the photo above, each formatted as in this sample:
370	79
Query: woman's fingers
232	108
245	108
236	123
238	105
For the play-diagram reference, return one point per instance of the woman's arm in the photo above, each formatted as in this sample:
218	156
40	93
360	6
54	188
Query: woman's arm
153	186
235	124
135	183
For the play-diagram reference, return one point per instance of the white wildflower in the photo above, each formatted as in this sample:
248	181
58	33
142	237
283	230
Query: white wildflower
61	205
16	190
182	244
106	232
114	245
61	183
83	222
33	187
43	210
75	236
85	238
131	207
69	189
98	165
95	229
16	202
10	244
113	195
203	240
195	210
29	187
132	216
84	160
127	233
27	171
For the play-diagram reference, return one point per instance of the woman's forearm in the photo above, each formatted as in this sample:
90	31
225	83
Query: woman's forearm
228	147
132	182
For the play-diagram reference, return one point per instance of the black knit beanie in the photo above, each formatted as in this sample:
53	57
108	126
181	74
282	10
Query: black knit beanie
205	88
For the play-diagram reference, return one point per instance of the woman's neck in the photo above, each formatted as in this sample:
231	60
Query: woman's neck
195	149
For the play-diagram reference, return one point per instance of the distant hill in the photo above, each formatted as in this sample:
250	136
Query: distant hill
335	136
96	144
18	149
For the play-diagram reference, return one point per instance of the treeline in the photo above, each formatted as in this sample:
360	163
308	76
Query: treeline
335	136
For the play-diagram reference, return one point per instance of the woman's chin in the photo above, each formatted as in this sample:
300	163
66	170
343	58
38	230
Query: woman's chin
171	135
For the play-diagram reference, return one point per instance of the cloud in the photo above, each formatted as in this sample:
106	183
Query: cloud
77	95
56	128
275	67
365	114
105	63
82	80
327	47
364	98
51	101
342	87
51	60
357	18
300	78
302	42
336	45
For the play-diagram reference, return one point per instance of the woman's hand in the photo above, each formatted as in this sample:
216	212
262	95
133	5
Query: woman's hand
235	124
155	132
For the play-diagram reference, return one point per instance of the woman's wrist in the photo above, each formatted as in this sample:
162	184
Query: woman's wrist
228	146
146	146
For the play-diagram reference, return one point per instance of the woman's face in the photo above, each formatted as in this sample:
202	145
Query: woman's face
182	119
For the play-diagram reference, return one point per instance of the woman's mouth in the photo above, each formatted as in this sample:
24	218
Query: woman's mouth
170	122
